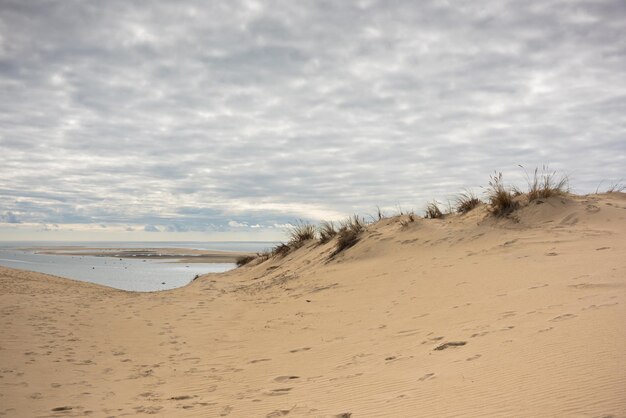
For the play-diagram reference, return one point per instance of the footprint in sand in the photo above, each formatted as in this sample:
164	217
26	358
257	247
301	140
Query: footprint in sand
507	314
260	360
61	409
563	317
180	398
282	379
426	377
296	350
278	413
476	357
450	344
278	392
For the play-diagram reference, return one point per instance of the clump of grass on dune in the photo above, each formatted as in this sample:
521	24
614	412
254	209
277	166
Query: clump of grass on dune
466	201
326	231
301	233
380	213
348	234
409	219
281	250
501	200
433	211
244	259
618	187
545	184
264	255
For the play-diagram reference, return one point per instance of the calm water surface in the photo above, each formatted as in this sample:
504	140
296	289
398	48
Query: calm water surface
125	273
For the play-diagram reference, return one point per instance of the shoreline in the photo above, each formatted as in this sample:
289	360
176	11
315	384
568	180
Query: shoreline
177	255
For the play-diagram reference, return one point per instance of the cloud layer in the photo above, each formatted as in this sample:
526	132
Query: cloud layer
219	116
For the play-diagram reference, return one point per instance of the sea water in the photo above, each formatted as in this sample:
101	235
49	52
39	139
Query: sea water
142	275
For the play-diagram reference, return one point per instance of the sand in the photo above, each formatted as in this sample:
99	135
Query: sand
464	316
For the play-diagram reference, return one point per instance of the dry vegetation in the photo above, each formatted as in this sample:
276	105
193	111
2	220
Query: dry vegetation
300	233
409	220
433	211
466	201
618	187
349	234
281	250
326	231
501	201
545	184
244	259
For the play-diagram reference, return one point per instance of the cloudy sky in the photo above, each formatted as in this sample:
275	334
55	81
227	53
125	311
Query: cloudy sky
216	120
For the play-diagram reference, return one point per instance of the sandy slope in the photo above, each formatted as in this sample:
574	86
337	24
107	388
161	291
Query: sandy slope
540	305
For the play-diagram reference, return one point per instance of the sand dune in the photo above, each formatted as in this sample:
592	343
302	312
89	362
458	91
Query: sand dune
462	316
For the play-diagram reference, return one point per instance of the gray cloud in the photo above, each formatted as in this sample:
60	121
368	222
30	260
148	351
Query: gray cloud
190	115
10	218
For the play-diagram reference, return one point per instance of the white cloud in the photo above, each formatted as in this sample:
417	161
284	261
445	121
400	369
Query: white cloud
274	111
235	224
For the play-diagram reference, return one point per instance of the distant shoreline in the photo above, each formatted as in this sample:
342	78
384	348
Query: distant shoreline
177	255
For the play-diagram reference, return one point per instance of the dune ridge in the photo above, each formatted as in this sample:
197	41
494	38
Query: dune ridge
465	315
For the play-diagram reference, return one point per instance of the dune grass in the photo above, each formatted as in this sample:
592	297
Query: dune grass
326	231
348	234
244	259
380	214
409	220
618	187
466	201
501	200
300	233
545	184
433	211
264	255
281	250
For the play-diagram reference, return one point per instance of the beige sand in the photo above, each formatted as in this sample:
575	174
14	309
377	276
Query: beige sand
537	309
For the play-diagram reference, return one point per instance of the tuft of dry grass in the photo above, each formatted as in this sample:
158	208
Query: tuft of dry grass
300	233
409	219
244	259
466	201
501	199
545	184
281	250
348	234
433	211
618	187
326	231
264	255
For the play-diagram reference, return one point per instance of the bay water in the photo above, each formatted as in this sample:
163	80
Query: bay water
141	275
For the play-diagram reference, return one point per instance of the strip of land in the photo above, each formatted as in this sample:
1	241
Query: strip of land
182	255
469	315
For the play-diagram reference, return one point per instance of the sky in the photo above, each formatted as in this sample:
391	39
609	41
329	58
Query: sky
230	120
